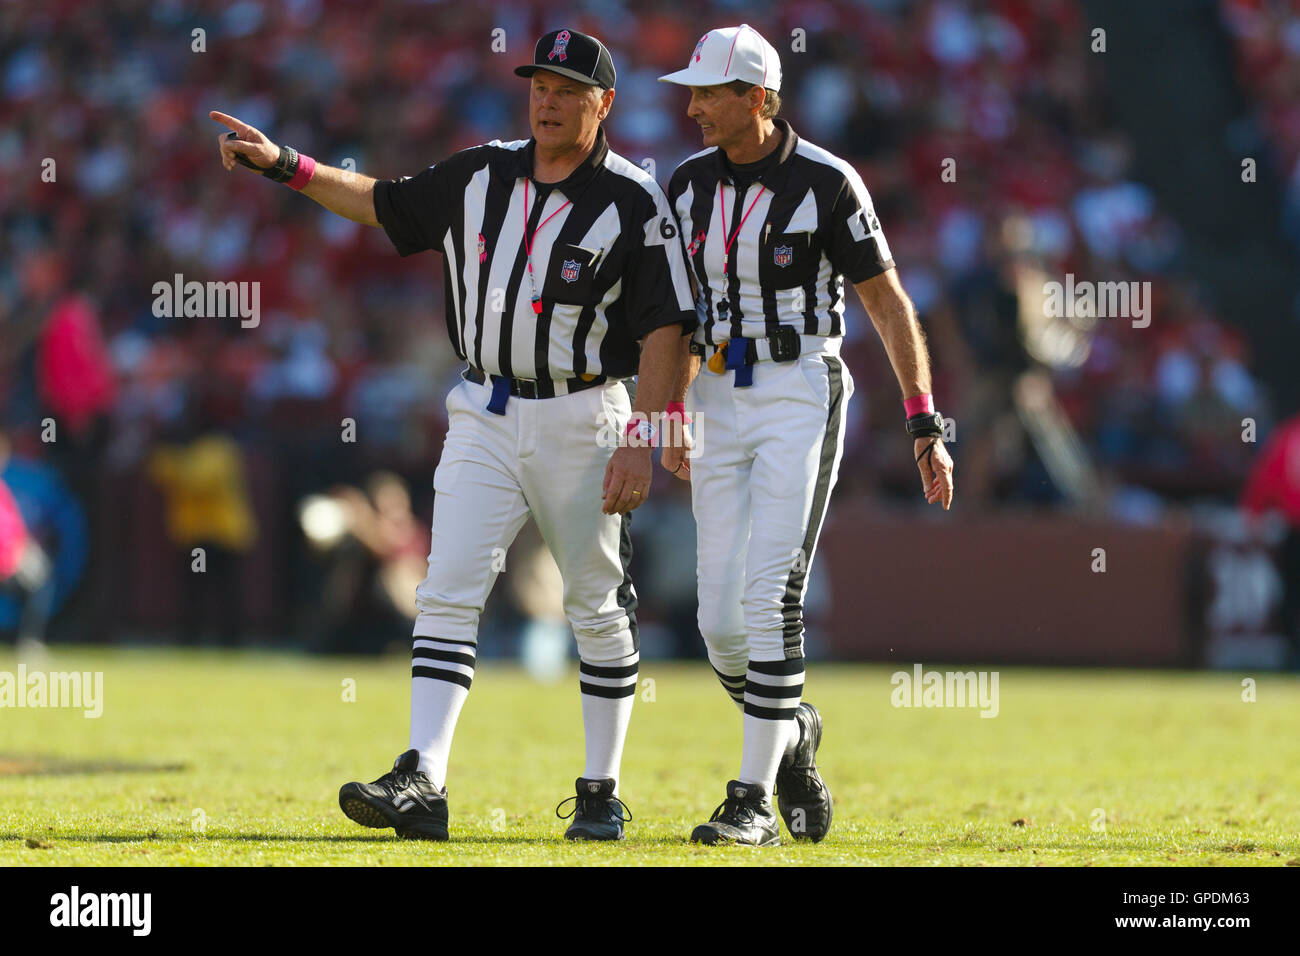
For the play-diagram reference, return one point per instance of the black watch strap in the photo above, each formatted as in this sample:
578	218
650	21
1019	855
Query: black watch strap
925	425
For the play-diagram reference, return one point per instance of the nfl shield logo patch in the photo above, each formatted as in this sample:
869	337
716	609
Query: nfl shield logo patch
569	270
783	255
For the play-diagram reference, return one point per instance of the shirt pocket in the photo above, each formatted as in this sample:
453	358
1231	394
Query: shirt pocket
570	276
787	260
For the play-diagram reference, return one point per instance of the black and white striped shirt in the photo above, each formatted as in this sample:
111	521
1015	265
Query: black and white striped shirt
608	267
808	224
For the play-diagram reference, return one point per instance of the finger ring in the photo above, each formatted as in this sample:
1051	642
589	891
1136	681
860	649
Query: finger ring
636	492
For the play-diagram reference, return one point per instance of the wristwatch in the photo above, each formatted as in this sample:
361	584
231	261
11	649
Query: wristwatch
925	425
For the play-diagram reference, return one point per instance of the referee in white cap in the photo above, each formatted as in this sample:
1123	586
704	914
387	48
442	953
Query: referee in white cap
564	276
774	226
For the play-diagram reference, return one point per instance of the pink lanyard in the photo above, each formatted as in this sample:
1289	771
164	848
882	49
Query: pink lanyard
722	206
528	245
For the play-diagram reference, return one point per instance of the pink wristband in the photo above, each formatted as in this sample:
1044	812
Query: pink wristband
919	405
306	170
635	425
677	408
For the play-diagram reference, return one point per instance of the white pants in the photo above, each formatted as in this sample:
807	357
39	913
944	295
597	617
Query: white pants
768	457
541	458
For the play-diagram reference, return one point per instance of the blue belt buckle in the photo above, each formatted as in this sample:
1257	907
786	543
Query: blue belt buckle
736	349
500	395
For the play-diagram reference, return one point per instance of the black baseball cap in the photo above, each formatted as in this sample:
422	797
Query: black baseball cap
575	55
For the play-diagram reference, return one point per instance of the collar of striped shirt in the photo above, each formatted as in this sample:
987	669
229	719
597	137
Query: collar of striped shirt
515	164
775	175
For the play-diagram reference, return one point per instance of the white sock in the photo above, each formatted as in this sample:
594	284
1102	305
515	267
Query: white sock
608	690
772	693
793	740
441	672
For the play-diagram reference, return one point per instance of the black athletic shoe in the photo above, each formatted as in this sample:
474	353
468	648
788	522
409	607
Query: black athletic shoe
404	798
597	813
746	817
801	795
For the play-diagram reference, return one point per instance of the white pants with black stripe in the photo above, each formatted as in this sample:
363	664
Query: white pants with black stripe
768	457
541	458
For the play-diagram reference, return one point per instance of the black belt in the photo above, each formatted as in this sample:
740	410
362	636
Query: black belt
527	388
784	344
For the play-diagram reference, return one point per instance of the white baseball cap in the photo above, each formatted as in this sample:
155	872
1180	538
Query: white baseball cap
728	54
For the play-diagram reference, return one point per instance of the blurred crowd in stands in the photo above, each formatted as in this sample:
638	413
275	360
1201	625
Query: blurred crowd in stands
1266	41
110	182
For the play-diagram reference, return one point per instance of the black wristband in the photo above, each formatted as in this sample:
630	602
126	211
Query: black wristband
925	425
286	165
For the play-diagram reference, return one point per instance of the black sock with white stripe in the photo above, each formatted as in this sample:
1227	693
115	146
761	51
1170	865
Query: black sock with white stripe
734	686
608	690
441	674
773	690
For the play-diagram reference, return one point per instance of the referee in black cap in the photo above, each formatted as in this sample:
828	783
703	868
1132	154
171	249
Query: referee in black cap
565	275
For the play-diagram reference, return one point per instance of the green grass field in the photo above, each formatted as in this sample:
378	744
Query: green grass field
204	758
